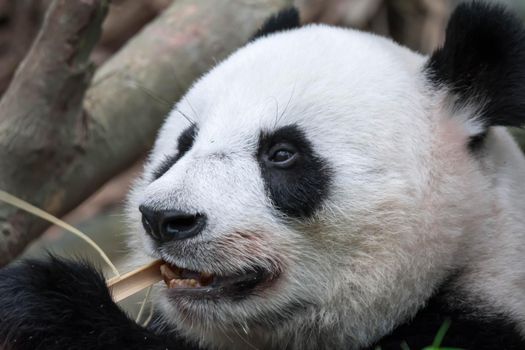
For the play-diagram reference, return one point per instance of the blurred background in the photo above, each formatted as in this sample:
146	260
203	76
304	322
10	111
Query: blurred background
418	24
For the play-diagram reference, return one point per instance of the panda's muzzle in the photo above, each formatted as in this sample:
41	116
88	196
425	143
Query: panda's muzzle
204	284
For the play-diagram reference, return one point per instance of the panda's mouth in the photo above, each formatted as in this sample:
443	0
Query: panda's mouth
182	281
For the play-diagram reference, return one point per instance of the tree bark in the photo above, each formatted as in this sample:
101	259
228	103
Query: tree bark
19	24
41	115
55	150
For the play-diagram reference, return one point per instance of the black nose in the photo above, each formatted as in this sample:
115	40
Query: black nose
169	225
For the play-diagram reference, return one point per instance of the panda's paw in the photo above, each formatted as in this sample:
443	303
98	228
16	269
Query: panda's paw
61	304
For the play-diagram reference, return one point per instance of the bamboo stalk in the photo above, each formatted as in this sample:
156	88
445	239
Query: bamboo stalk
134	281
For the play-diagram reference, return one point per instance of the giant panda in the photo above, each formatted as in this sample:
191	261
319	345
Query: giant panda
321	188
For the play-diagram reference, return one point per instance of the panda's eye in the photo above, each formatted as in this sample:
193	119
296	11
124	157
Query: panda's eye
282	155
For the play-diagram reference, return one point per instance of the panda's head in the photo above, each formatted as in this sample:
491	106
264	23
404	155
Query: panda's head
319	180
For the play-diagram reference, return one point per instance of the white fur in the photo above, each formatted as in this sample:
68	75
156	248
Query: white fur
408	203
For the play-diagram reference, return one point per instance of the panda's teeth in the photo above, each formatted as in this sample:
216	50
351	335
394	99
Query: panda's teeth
184	283
169	274
175	277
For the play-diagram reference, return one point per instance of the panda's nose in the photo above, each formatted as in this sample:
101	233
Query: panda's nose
171	225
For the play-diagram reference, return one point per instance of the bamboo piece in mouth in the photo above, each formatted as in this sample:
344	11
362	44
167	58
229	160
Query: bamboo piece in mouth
134	281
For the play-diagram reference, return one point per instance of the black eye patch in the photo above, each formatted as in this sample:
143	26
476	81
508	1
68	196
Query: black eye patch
299	188
184	144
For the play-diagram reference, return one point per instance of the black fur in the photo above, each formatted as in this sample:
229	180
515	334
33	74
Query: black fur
284	20
468	329
57	304
301	189
482	63
185	142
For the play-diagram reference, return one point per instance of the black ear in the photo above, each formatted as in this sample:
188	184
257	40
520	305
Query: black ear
482	64
283	20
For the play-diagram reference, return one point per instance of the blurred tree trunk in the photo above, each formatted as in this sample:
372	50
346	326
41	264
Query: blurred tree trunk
19	24
418	24
57	148
41	113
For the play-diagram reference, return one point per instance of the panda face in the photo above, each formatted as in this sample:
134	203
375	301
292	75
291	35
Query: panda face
314	176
